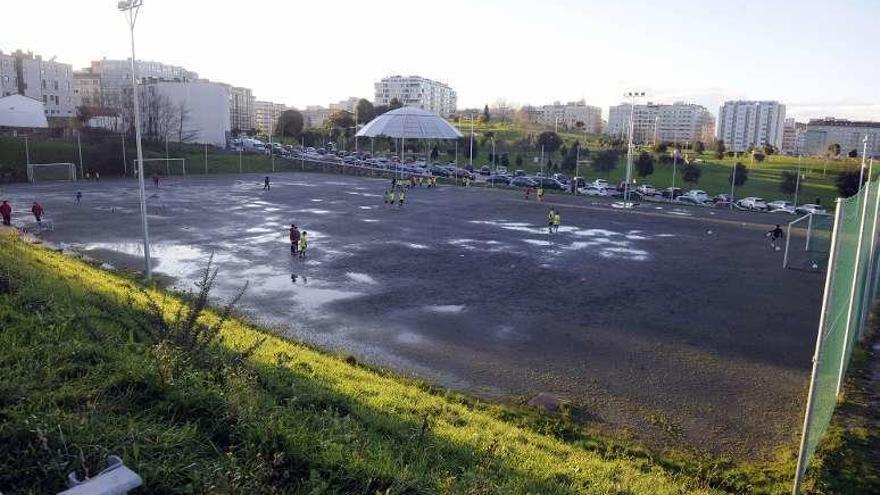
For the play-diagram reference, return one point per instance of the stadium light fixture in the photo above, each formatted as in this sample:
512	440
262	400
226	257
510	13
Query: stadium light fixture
131	9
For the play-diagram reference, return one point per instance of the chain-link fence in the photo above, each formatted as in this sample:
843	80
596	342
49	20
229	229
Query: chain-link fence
810	253
850	288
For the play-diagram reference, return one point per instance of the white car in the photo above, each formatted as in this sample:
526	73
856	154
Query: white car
753	203
600	183
647	189
781	206
698	195
591	190
811	208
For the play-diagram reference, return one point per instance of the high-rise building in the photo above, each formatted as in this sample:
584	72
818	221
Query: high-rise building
87	89
242	109
266	116
850	135
314	116
116	78
792	137
415	91
660	123
744	124
48	81
567	115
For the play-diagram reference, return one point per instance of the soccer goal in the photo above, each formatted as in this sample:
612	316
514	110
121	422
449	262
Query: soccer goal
163	166
42	172
811	252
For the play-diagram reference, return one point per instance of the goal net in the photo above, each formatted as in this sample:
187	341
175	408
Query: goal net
162	166
42	172
808	242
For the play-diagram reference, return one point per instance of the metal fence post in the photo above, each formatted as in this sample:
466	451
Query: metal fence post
808	415
809	232
868	292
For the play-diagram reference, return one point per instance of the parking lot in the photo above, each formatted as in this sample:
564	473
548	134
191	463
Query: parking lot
672	324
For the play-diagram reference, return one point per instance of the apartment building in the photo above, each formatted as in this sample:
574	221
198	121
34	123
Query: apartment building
314	116
658	123
567	115
347	105
242	109
415	91
744	124
266	116
48	81
793	137
115	76
850	135
87	89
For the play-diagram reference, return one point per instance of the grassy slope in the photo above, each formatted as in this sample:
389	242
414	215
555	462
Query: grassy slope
78	382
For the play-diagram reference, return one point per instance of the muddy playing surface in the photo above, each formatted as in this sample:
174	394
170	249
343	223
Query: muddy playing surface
645	320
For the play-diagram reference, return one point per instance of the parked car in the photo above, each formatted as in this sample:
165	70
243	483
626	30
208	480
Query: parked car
672	192
498	180
579	182
439	171
519	173
811	208
684	198
697	195
753	203
485	170
523	181
591	190
600	183
780	206
721	198
562	178
647	189
548	183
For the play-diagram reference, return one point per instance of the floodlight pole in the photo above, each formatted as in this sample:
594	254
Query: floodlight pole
471	159
131	8
629	149
797	184
864	157
80	149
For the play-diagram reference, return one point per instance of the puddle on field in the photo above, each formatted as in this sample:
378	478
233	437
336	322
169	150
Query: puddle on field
368	195
537	242
446	308
410	338
314	211
366	207
369	220
361	277
171	259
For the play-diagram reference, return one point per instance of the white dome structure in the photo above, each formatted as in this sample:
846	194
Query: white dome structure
410	123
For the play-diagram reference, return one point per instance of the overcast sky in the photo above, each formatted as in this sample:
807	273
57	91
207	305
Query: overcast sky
820	58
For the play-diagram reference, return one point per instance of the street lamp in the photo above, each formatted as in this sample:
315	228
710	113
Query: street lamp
131	8
629	150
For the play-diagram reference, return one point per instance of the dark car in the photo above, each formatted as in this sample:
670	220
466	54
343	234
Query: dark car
523	181
461	173
469	168
439	171
498	180
485	170
548	183
519	173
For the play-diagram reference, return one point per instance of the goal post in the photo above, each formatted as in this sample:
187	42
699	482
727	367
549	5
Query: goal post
41	172
811	253
163	166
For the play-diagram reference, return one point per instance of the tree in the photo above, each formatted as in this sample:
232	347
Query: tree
853	153
550	141
394	104
848	182
699	147
645	165
563	150
579	125
719	149
690	173
758	156
518	161
505	161
379	110
834	150
605	161
485	117
769	149
738	175
290	123
434	153
364	111
661	147
788	184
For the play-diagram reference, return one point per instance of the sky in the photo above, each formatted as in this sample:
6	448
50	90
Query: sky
820	58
